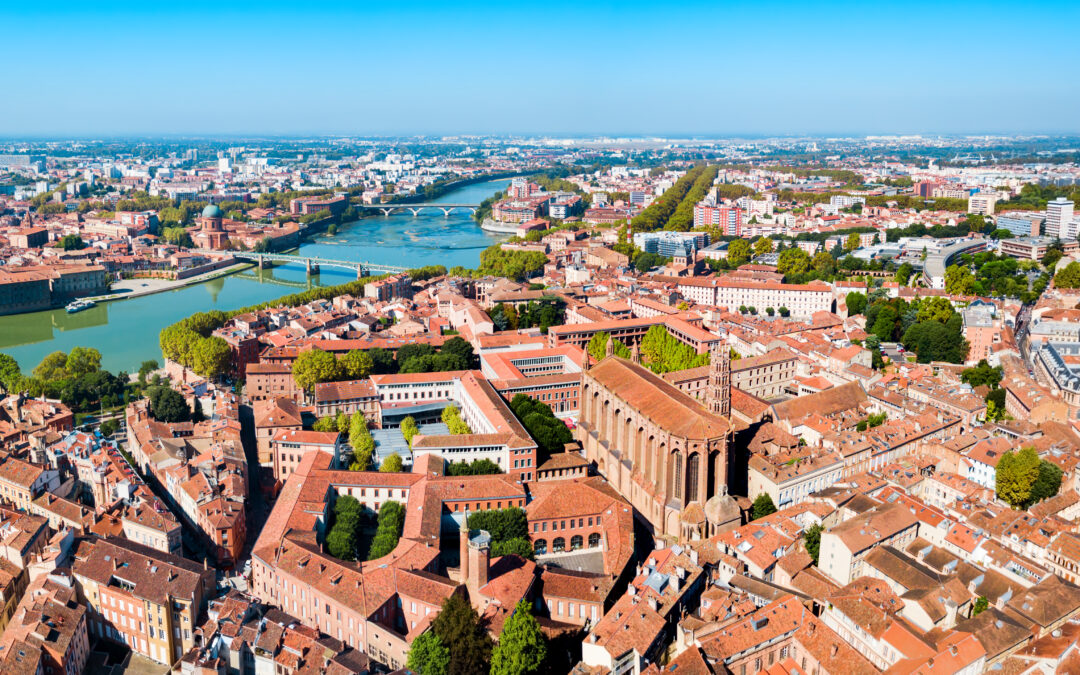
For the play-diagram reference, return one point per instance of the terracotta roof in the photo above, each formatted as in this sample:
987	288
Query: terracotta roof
660	401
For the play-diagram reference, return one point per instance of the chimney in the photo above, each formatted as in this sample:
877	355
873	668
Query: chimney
463	548
479	553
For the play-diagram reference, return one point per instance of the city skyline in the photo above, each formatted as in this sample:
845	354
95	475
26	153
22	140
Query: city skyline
627	70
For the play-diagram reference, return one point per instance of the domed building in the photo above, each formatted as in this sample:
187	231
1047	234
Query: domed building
211	234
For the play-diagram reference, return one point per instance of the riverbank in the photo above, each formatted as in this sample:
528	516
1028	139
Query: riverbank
137	288
126	333
495	227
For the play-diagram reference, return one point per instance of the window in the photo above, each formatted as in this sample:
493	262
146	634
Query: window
558	545
540	546
575	542
594	540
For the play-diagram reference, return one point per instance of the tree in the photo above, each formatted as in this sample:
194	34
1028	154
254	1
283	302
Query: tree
109	427
1068	276
982	374
1016	473
82	361
212	356
959	280
392	464
428	655
10	374
784	312
763	506
738	252
409	429
52	367
903	273
1047	482
852	242
459	351
885	323
72	242
770	311
362	443
521	648
341	541
356	364
458	627
793	261
511	314
980	606
167	405
314	366
597	346
451	417
763	245
382	360
856	303
812	540
935	309
147	367
519	546
933	341
391	522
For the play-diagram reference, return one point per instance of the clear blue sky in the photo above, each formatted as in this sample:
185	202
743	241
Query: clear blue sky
97	68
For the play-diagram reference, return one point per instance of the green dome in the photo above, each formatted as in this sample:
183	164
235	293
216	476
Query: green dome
212	211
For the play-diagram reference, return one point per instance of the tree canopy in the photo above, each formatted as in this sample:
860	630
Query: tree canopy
521	649
763	506
458	627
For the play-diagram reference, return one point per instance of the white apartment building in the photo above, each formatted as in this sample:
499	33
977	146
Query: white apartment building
1059	219
802	300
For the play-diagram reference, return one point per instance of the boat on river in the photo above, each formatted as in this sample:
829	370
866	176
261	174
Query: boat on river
79	305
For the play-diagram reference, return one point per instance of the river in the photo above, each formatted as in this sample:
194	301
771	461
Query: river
126	331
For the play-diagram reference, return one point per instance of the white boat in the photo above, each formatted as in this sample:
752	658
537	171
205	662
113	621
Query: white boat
79	305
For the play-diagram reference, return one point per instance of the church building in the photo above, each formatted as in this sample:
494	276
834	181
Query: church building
663	450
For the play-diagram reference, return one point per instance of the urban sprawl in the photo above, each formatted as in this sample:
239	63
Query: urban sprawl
785	406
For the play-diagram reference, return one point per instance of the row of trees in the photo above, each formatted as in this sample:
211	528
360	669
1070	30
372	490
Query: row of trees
349	519
179	341
683	218
656	215
391	523
477	467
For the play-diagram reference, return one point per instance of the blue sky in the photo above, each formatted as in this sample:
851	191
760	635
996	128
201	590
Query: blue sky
723	68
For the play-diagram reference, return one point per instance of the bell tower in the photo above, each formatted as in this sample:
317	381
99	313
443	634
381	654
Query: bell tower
719	391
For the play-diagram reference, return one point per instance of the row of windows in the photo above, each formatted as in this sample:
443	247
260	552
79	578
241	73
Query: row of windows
561	524
558	544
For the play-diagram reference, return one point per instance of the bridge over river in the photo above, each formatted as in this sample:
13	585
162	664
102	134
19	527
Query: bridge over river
362	267
416	208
